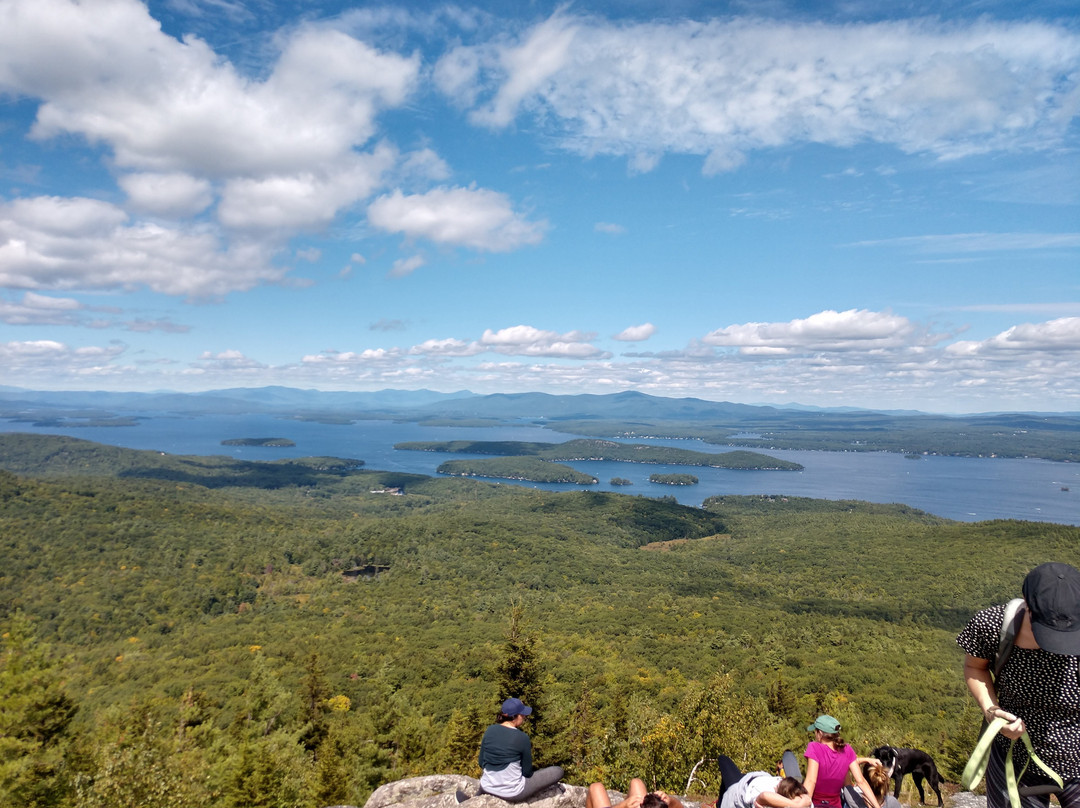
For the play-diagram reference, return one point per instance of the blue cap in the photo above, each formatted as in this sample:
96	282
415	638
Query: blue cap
514	707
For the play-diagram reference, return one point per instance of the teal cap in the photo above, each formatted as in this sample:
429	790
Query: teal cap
826	723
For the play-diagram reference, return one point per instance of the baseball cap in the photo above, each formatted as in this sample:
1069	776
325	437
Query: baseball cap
1052	593
826	723
514	707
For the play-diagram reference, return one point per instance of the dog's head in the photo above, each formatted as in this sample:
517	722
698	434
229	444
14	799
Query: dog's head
887	756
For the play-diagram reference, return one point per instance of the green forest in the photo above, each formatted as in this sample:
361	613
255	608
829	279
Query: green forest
516	468
184	631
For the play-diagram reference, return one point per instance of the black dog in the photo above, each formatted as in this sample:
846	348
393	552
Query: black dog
899	761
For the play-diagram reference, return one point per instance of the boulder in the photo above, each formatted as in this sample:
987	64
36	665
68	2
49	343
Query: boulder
450	790
445	790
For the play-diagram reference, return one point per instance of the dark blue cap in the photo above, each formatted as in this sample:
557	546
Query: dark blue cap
514	707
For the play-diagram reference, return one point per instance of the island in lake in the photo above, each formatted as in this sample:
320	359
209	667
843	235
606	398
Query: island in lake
594	449
275	442
673	479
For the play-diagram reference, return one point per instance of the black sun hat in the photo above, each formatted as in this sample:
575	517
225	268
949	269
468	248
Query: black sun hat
1052	592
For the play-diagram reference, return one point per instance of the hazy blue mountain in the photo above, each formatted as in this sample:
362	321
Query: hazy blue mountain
615	405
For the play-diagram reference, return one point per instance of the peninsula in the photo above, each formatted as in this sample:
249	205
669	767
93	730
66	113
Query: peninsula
594	449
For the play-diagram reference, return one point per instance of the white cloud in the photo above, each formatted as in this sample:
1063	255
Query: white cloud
406	266
306	199
168	105
852	330
284	148
725	87
174	195
231	360
63	244
1051	337
636	333
36	309
446	347
524	340
47	361
609	228
466	217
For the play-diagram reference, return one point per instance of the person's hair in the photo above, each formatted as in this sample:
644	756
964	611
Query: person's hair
877	778
652	800
833	739
791	788
503	717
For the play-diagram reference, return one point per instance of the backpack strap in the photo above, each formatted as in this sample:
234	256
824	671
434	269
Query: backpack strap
976	767
1010	627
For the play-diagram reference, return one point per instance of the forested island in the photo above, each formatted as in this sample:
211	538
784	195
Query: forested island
257	442
193	631
673	479
591	449
529	469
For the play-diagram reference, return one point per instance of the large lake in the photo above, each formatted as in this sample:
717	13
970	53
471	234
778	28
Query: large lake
967	489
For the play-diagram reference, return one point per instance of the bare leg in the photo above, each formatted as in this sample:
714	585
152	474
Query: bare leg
598	795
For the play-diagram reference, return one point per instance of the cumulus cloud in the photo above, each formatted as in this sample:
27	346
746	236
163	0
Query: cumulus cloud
725	87
466	217
852	330
284	149
36	309
232	361
50	360
64	244
636	333
166	104
524	340
174	195
1061	336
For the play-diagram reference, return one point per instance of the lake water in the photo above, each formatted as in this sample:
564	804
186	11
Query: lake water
966	489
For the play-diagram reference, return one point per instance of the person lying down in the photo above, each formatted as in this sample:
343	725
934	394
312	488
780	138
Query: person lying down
638	797
758	789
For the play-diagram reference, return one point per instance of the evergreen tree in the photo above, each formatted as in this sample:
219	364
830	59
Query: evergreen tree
35	713
519	671
463	733
314	692
520	674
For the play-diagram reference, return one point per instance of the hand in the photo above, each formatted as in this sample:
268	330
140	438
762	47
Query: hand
633	801
1014	729
662	795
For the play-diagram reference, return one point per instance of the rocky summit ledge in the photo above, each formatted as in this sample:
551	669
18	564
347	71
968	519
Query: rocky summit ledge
451	790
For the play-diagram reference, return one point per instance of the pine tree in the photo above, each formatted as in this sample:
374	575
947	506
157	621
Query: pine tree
463	733
520	675
35	713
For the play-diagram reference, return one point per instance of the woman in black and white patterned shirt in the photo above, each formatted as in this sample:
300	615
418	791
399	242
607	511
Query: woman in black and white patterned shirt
1038	690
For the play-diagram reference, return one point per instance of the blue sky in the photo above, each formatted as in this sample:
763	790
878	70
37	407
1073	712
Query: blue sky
859	204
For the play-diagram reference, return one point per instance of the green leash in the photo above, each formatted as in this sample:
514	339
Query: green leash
976	767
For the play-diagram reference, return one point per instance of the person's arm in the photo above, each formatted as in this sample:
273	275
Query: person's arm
770	799
811	777
864	787
526	756
981	685
670	800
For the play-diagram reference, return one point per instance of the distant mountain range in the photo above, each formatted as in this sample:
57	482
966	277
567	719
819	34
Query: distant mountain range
461	404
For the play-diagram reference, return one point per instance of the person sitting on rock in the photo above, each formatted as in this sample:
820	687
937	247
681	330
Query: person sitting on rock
506	757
